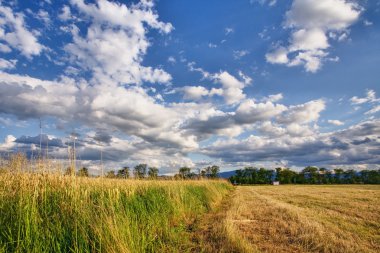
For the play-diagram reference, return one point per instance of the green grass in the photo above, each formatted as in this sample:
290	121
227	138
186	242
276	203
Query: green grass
53	213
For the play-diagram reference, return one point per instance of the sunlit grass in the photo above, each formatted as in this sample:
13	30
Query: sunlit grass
49	212
305	218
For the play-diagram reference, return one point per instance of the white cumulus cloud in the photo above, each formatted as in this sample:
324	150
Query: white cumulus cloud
311	23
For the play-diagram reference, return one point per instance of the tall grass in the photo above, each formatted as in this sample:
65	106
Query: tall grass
44	212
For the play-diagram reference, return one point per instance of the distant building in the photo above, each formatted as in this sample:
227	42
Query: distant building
276	183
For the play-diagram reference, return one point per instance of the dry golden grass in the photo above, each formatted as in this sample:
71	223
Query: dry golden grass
49	212
305	218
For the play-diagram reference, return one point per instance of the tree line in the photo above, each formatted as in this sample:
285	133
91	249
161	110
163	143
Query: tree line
141	171
309	175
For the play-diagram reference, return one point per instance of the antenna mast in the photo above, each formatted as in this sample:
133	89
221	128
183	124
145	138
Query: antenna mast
40	136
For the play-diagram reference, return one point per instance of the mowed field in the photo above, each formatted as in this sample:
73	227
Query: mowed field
293	218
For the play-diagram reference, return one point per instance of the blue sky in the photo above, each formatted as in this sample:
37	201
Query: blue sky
174	83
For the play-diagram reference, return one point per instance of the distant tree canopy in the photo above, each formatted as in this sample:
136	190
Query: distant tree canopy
111	174
210	171
83	172
123	173
309	175
184	172
70	171
140	171
153	172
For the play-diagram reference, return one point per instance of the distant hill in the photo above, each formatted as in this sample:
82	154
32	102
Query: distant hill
227	174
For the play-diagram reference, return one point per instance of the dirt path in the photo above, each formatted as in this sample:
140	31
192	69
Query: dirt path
209	233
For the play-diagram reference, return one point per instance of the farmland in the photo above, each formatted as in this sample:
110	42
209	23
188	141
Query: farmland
44	212
305	218
55	213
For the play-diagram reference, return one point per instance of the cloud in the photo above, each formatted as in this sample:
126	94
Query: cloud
367	23
115	42
44	17
303	113
65	13
103	137
262	2
228	30
250	112
45	141
28	97
231	124
194	92
371	97
211	45
96	96
335	122
312	22
335	148
8	144
274	98
171	59
5	64
128	111
278	56
232	87
15	34
374	110
237	54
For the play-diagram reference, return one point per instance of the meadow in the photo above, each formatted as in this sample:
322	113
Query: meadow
41	212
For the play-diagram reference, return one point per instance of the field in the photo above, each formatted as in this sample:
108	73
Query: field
42	212
55	213
305	218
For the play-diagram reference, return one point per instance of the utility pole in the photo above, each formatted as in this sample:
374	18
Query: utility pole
74	154
40	137
101	161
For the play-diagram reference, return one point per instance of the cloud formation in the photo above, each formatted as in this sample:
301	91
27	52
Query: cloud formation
115	42
124	105
312	23
15	34
334	148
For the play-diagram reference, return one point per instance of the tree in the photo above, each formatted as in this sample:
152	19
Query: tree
329	177
153	172
70	171
214	171
211	171
264	176
310	174
338	176
111	174
123	173
203	173
285	176
140	171
83	172
184	172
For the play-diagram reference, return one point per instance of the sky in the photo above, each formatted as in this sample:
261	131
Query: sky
192	83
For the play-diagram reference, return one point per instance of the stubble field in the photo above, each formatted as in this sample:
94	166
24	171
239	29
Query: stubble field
339	218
